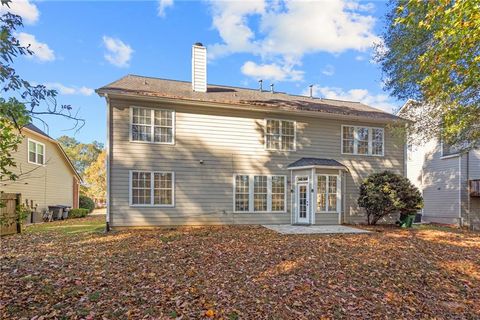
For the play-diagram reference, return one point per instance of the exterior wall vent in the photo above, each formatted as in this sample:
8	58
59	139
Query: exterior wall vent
199	67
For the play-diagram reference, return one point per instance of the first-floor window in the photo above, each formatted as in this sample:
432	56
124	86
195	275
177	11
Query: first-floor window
327	193
242	193
152	188
278	193
260	193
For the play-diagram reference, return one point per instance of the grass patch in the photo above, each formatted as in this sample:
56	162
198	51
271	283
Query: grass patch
70	227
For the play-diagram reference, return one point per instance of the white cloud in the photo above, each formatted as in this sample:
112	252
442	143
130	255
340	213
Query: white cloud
271	72
119	53
24	8
379	101
287	30
329	70
41	51
162	6
69	90
359	58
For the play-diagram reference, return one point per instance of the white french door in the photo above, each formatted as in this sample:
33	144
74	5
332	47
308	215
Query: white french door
302	203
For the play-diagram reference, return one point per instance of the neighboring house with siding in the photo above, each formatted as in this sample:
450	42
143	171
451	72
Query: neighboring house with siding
447	179
188	153
46	176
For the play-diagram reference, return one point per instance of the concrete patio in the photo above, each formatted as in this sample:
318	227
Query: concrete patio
313	229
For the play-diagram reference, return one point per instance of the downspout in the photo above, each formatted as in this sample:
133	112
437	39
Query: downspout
468	190
107	166
460	191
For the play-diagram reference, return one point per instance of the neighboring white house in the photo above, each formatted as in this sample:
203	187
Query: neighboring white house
447	179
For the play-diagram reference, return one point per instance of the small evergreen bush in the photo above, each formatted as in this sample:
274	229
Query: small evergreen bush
86	203
387	193
78	213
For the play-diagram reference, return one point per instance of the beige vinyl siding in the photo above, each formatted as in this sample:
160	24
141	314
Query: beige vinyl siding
50	184
229	142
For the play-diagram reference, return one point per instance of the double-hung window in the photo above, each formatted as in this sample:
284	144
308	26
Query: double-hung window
280	135
327	193
36	152
260	193
152	125
362	140
151	188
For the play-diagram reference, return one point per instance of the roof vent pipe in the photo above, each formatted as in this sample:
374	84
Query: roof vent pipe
260	82
311	91
272	88
199	67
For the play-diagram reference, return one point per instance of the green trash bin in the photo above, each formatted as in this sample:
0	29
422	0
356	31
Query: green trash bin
407	221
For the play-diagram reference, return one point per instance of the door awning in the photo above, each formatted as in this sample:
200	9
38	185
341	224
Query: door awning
309	163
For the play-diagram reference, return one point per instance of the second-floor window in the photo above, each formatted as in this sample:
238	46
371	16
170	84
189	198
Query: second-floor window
152	125
362	140
36	152
280	135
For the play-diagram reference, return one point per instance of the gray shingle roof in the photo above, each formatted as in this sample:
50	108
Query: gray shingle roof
306	162
33	127
155	87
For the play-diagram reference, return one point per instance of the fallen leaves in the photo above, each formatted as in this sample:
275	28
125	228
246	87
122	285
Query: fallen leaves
241	272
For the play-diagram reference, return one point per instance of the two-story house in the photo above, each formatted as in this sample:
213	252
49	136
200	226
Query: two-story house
46	176
448	178
188	153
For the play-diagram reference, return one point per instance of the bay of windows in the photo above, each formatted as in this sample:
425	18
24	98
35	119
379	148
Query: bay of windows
151	188
152	125
260	193
362	140
280	135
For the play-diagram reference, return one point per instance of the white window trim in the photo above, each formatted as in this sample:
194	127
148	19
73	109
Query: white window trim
355	141
36	154
251	193
265	134
339	192
151	205
152	116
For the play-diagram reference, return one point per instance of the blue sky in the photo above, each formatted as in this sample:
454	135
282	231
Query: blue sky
80	46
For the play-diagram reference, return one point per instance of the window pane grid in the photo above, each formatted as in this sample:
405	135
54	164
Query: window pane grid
260	193
280	135
362	140
327	193
141	182
242	193
36	152
151	125
143	188
278	193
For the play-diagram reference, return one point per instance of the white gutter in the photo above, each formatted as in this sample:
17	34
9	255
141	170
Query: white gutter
107	165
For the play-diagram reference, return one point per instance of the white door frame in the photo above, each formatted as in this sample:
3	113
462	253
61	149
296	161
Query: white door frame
306	219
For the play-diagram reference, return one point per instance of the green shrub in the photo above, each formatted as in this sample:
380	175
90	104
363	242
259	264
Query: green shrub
78	213
387	193
86	203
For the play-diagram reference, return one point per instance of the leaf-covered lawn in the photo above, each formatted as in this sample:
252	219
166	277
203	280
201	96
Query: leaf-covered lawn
237	272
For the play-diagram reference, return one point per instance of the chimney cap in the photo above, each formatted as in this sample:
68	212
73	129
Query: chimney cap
198	44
